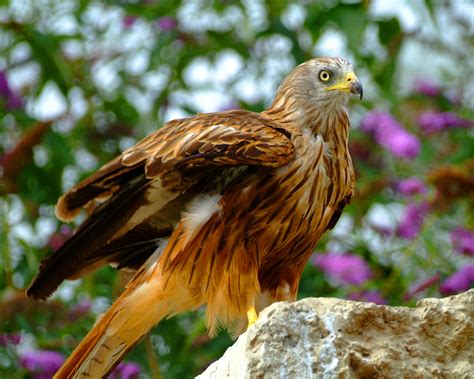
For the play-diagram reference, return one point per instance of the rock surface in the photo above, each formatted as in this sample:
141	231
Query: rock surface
332	338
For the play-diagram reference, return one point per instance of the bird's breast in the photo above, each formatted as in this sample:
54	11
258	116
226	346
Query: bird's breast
296	202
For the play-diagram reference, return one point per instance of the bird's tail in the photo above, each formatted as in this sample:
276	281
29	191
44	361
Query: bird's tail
145	302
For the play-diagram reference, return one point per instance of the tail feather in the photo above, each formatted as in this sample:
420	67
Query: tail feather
151	295
140	307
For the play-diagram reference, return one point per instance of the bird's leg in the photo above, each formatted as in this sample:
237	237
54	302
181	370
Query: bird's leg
252	315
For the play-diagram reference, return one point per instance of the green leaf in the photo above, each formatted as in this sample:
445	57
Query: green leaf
125	112
389	30
47	52
351	20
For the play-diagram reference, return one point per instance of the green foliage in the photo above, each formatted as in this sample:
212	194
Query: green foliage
122	67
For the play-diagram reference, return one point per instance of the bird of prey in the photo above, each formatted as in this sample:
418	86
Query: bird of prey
222	209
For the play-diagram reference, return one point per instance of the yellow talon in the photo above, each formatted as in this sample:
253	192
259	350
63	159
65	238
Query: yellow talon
252	316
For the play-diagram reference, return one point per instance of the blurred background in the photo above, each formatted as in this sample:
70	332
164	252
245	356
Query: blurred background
80	81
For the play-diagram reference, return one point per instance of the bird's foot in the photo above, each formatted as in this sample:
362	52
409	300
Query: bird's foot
252	316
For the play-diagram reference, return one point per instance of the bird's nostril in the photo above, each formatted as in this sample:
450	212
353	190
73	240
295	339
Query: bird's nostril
349	79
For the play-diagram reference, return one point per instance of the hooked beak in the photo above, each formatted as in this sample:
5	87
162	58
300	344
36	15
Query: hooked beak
349	84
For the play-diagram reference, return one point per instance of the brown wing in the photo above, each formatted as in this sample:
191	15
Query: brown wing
144	190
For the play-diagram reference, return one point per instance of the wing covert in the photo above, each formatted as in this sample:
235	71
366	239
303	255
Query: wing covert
179	152
143	191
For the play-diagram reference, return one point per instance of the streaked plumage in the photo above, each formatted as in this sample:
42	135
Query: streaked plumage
222	209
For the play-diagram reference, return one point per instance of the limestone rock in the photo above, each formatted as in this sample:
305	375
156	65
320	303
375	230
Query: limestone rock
332	338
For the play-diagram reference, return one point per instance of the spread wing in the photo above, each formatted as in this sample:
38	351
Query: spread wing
142	192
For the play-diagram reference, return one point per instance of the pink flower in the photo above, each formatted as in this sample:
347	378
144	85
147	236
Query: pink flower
167	23
347	268
431	122
453	96
59	238
12	100
399	142
41	364
384	231
460	281
126	371
412	220
10	339
411	186
367	296
427	88
430	282
391	135
463	241
230	106
370	123
128	21
79	310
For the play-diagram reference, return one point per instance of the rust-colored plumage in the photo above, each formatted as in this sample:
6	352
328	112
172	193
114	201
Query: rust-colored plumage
222	209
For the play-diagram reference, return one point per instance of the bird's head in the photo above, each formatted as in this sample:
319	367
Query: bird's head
320	81
336	75
331	77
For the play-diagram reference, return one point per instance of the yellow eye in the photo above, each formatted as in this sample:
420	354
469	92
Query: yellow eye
325	75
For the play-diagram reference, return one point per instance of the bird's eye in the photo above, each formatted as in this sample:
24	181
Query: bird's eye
325	75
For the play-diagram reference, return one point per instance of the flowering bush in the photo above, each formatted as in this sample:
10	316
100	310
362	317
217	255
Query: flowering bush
431	122
9	98
461	280
411	186
391	135
82	81
412	220
463	241
42	364
344	268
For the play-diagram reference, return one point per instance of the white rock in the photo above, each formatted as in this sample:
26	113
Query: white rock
332	338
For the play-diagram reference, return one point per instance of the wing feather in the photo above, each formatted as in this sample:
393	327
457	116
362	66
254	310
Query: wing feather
230	138
136	187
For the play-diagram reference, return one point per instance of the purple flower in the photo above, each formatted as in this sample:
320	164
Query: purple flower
453	96
463	241
372	120
411	186
167	23
58	238
230	106
126	371
427	88
399	142
425	284
128	21
13	101
460	281
10	339
452	120
412	220
347	268
41	364
368	296
80	309
431	122
391	135
384	231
